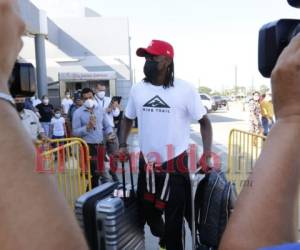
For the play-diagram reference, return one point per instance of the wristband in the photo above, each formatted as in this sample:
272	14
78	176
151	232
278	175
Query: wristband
8	98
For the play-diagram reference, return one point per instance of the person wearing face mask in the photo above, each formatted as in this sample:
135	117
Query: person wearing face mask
111	109
255	114
77	104
66	103
45	110
267	113
32	208
58	125
31	103
91	124
29	120
165	107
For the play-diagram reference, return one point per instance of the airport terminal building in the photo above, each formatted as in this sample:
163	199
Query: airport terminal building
74	47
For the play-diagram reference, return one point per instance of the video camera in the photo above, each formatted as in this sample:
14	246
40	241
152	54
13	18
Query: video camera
22	82
273	38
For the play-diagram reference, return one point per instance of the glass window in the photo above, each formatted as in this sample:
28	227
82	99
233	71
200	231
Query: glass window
204	97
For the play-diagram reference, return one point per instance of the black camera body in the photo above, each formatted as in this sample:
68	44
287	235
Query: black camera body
22	82
294	3
273	38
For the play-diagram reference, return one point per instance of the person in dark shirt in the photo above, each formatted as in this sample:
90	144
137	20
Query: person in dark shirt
28	104
77	104
45	110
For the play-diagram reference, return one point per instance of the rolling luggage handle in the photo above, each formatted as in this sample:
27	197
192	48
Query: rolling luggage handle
132	191
123	180
131	177
195	179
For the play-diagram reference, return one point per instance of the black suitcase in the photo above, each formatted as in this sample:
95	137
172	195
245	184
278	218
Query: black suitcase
111	222
85	211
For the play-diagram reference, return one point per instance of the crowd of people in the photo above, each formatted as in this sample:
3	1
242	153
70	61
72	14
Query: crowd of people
261	113
56	122
94	123
35	216
90	115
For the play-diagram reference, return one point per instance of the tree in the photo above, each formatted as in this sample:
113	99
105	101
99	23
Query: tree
241	90
216	93
228	92
238	90
205	90
263	89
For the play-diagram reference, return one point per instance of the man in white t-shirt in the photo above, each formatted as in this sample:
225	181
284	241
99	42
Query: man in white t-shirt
29	120
165	108
66	103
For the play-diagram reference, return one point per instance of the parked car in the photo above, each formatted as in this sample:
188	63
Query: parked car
232	98
207	102
220	102
248	98
226	98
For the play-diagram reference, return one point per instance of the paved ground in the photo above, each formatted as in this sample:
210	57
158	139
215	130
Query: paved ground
222	121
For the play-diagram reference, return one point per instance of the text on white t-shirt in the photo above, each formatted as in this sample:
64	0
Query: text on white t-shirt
164	117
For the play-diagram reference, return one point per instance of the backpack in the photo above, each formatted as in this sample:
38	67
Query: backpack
214	202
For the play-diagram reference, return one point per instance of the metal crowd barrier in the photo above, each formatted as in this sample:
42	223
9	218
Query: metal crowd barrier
68	161
243	150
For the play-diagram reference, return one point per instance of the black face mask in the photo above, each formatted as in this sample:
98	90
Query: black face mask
151	71
20	106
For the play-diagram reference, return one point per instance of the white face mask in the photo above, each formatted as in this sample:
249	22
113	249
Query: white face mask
46	101
89	103
57	115
101	94
68	95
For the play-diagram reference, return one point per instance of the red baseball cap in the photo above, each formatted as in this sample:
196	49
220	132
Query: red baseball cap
157	48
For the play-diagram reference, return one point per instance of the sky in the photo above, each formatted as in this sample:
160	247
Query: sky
210	38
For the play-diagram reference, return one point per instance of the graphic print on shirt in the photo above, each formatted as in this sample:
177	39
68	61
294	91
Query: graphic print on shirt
156	104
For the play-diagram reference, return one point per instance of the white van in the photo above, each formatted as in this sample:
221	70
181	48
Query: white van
207	101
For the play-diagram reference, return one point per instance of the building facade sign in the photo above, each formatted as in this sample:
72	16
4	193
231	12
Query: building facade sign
80	76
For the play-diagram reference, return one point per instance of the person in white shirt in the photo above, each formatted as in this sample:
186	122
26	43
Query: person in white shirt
111	109
58	125
24	187
66	103
35	101
165	108
30	120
